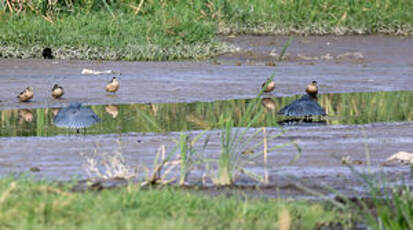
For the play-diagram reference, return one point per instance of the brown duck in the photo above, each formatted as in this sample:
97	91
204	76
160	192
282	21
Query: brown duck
57	91
270	86
312	89
26	94
113	85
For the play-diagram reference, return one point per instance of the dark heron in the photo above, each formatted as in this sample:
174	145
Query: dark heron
306	106
47	53
75	116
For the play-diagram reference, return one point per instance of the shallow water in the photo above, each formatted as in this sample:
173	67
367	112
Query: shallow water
346	108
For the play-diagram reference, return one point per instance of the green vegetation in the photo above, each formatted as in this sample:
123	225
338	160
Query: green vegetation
169	30
349	108
26	204
45	205
394	211
387	207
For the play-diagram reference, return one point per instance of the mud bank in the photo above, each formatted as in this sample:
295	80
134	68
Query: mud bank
385	65
59	158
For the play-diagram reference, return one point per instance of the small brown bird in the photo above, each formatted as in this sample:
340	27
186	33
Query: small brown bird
113	85
26	94
312	89
57	91
270	86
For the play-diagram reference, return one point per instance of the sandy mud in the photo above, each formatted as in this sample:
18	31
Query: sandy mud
386	65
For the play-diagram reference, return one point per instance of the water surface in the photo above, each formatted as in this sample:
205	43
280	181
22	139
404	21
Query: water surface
346	108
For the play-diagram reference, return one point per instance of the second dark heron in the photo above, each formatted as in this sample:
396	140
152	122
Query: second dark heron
75	116
306	106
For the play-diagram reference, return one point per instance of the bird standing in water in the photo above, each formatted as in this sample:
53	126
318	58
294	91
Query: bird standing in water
112	86
306	106
57	91
26	94
270	86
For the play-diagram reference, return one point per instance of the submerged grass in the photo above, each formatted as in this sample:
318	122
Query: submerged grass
169	30
43	205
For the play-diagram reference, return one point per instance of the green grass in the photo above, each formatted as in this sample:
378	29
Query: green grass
30	204
169	30
393	212
27	204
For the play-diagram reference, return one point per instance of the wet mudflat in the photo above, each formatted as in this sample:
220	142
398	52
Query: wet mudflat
320	163
387	68
138	129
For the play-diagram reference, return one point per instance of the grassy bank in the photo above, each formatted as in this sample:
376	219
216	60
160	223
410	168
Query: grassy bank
29	204
169	30
25	204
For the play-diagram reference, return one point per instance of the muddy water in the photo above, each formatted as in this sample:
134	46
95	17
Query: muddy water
375	50
350	108
136	128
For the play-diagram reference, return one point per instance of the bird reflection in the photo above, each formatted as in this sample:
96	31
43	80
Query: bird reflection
75	116
112	110
26	115
268	103
55	111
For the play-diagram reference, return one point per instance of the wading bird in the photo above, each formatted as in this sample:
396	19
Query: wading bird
306	106
270	86
26	94
57	91
113	85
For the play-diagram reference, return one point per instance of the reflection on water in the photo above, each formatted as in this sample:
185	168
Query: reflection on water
113	110
76	116
350	108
